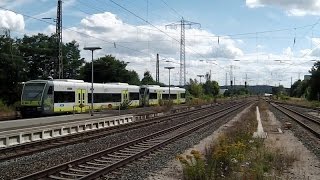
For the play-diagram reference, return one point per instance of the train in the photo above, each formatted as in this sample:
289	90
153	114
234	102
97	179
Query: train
49	97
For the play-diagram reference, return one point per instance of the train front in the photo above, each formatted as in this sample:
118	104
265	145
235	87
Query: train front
32	98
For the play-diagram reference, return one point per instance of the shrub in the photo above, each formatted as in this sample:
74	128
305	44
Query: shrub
125	104
237	155
4	107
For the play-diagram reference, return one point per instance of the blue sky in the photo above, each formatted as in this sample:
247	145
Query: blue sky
103	23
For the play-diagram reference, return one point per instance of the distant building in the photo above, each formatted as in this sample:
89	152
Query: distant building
221	91
307	77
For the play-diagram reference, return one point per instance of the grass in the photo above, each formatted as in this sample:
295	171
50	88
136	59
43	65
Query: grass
237	155
302	102
4	108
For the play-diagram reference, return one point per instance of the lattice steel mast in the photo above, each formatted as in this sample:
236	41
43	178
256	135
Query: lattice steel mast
183	23
59	37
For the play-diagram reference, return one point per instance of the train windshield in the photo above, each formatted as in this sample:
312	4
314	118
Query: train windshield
32	91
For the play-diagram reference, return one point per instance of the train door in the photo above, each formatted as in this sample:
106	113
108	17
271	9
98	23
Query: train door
124	96
178	98
81	101
158	97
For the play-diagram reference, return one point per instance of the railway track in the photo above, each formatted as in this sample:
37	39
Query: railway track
309	122
38	146
109	160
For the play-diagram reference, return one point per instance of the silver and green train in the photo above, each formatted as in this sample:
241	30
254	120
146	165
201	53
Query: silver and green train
153	94
47	97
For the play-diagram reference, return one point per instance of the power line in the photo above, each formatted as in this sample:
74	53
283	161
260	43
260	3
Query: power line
71	29
180	16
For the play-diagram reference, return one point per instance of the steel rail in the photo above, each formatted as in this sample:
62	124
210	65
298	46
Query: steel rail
306	126
65	166
38	146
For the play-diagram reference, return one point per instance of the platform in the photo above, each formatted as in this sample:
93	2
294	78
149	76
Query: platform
17	132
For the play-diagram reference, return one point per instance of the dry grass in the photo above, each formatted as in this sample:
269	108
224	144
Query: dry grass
237	155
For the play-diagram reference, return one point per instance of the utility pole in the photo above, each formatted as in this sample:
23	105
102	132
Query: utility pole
59	37
226	83
182	23
157	69
245	83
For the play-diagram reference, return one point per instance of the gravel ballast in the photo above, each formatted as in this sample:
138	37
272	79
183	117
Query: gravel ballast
26	165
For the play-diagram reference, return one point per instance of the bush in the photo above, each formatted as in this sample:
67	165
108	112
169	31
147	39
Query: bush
125	104
4	107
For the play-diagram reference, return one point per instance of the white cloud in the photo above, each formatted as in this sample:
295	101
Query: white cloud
11	20
140	44
292	7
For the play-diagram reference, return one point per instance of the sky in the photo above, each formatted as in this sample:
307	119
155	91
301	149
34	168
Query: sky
263	42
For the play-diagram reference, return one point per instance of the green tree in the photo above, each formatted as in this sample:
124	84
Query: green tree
315	81
39	52
147	79
72	62
211	88
11	69
109	69
194	88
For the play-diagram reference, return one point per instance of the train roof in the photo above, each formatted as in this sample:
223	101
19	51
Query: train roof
81	83
165	89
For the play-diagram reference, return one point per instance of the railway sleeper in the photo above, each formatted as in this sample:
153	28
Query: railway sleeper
142	145
57	177
111	159
130	151
118	156
89	167
96	164
71	174
137	148
79	170
102	161
120	153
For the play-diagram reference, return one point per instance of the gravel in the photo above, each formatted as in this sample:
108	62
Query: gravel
143	168
308	139
39	161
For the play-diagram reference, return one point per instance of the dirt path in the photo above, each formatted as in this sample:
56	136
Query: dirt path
307	166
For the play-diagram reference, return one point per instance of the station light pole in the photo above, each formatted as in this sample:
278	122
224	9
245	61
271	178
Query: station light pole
169	68
200	77
92	49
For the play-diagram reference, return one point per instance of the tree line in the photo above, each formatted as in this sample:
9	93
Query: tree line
35	57
308	88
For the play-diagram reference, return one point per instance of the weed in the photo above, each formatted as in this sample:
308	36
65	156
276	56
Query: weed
237	155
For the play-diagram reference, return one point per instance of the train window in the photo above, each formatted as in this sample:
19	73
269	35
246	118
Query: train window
134	96
173	96
183	95
116	97
165	96
64	96
32	91
50	90
89	98
104	97
153	96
